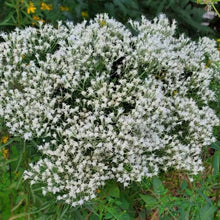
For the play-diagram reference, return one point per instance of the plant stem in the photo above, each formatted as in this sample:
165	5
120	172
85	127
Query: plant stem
217	199
18	13
26	188
215	9
10	179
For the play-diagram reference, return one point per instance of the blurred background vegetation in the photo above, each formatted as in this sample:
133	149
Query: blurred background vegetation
187	13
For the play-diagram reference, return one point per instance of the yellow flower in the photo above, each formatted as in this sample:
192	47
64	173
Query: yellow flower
84	14
4	139
64	8
45	6
218	40
31	8
175	92
5	153
36	18
102	23
16	173
98	190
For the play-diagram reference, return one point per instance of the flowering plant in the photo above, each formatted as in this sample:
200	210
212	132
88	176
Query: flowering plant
107	102
210	4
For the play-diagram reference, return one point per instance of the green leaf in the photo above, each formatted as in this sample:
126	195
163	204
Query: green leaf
209	201
207	212
110	190
108	216
158	186
216	145
184	214
216	163
10	5
126	216
184	185
9	142
10	160
161	6
115	212
124	202
149	200
93	217
114	191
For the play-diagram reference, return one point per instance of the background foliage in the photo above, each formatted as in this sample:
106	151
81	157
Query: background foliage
171	196
187	13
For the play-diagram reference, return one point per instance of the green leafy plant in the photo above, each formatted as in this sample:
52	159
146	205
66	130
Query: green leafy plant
210	4
187	13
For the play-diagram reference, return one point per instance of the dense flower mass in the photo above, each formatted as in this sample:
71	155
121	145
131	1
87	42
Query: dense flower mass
107	102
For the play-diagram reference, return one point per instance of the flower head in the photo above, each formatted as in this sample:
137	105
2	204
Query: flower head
64	8
5	153
84	14
4	139
36	18
44	6
31	8
102	23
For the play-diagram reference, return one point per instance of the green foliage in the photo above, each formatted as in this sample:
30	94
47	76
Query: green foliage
187	13
172	196
190	201
210	4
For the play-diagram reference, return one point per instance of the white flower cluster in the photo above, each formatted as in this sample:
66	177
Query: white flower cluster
107	102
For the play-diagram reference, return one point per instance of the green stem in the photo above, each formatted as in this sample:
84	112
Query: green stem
18	13
215	9
216	202
26	187
10	179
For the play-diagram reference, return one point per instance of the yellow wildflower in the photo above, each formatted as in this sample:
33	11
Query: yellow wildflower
16	173
45	6
4	139
102	23
175	92
64	8
84	14
98	190
218	40
5	153
31	8
36	18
